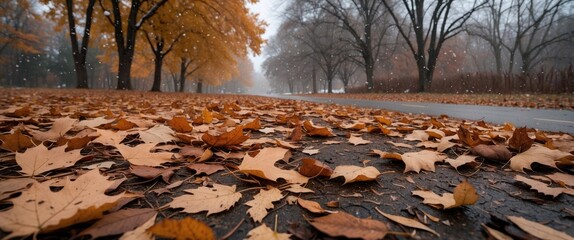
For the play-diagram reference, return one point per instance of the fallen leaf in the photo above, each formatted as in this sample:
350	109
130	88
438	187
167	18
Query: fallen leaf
39	159
538	230
311	206
537	154
231	138
492	152
179	124
467	137
333	204
562	179
284	144
207	169
464	194
213	200
342	224
253	125
310	151
435	133
423	160
16	141
355	173
297	134
495	234
265	233
157	134
182	229
357	140
58	129
314	168
417	135
39	209
261	202
540	186
403	145
119	222
140	233
267	130
520	141
122	124
141	155
151	172
263	166
296	188
331	142
14	185
93	123
461	160
317	131
110	138
409	222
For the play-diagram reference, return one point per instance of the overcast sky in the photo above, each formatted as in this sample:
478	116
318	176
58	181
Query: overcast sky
269	11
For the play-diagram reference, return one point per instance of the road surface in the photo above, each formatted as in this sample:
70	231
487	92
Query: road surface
543	119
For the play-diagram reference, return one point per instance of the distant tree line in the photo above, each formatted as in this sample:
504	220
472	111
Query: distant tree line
129	44
419	46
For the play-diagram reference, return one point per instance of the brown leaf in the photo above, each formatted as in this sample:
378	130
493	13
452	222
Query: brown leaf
16	141
562	179
461	160
464	194
179	124
263	166
58	129
208	169
40	209
182	229
231	138
122	124
157	134
492	152
119	222
314	168
317	131
538	230
265	233
13	185
75	143
253	125
423	160
213	200
261	202
540	186
151	172
409	222
356	173
311	206
141	155
357	140
538	154
297	134
520	141
467	137
342	224
39	159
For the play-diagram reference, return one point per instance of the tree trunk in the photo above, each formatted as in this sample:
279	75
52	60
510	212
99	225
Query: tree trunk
124	73
79	53
182	72
156	87
369	69
314	76
199	88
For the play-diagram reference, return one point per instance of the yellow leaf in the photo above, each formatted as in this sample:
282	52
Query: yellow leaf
183	229
263	166
179	124
356	173
213	200
465	194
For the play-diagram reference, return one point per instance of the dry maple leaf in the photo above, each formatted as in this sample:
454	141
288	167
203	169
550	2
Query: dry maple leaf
464	194
314	168
417	135
357	140
467	137
342	224
297	133
119	222
179	124
39	159
207	169
538	230
16	141
58	129
263	166
231	138
492	152
261	202
265	233
92	123
122	124
213	200
141	155
356	173
253	125
520	141
317	131
182	229
409	222
40	209
13	185
403	145
540	186
110	138
157	134
151	172
562	179
461	160
423	160
537	154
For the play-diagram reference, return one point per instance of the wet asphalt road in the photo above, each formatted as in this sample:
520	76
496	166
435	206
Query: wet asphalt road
542	119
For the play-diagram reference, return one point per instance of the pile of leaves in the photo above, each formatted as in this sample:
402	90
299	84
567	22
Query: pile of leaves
136	165
541	101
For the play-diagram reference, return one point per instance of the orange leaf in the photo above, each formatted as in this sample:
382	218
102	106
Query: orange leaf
122	124
187	228
231	138
16	141
342	224
253	125
316	131
313	168
179	124
520	141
